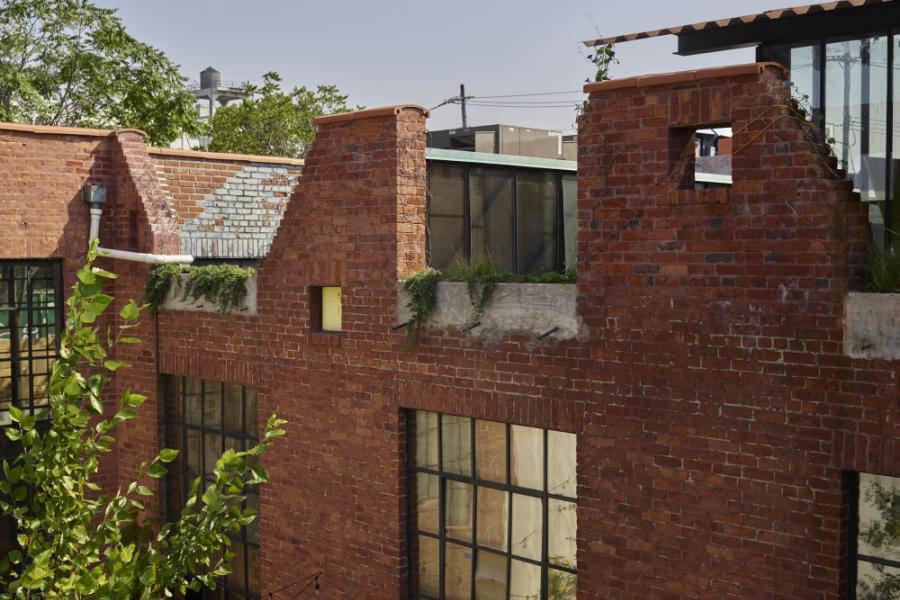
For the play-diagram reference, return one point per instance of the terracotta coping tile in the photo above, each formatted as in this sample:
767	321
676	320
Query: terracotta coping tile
382	111
56	130
681	77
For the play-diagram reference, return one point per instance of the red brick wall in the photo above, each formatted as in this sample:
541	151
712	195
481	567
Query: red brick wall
226	205
716	412
724	412
42	215
715	409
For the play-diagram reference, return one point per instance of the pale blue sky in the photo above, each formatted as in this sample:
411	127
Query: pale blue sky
393	51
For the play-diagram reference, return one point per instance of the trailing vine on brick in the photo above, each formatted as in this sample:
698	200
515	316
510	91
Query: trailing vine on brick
223	285
481	279
422	291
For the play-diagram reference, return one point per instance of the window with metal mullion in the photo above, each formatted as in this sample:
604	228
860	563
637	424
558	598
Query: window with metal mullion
474	488
852	483
560	226
545	559
509	512
467	218
889	149
29	304
8	274
442	513
509	487
515	221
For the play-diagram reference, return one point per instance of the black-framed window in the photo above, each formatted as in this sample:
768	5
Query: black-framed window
203	419
851	84
523	218
492	510
874	536
31	317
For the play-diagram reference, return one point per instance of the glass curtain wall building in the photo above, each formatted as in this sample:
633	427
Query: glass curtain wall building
851	86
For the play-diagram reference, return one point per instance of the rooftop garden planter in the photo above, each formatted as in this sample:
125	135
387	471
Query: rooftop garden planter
543	310
213	288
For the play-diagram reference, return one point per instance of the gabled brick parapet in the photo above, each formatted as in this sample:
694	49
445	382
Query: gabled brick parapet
785	239
357	219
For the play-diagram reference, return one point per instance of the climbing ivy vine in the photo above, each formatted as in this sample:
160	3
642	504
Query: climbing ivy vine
223	285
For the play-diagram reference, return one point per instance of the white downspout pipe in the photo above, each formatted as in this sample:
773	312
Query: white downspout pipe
153	259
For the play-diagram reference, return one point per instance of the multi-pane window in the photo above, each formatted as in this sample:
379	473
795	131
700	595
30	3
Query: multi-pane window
874	537
523	219
31	304
492	510
203	419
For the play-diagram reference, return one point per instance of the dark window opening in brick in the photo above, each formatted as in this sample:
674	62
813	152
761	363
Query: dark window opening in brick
523	220
874	537
202	420
325	310
31	303
492	510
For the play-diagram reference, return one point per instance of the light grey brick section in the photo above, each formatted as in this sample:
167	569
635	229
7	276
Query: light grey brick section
239	220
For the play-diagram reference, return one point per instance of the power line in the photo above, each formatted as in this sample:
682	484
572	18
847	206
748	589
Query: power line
528	102
532	94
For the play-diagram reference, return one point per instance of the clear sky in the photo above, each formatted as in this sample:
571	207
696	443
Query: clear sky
398	51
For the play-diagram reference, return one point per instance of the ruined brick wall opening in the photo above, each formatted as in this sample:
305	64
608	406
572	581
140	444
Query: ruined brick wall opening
325	314
700	156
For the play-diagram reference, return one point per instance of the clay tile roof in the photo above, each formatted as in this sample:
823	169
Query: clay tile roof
769	15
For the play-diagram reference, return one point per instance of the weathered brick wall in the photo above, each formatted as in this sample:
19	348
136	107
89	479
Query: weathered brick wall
715	410
724	413
227	205
42	215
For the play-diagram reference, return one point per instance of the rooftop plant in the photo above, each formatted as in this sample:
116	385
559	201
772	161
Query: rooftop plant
481	277
882	270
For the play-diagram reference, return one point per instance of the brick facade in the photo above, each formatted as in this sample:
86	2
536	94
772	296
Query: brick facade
227	206
715	410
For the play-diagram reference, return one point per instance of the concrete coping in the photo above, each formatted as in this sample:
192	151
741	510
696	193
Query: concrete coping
367	113
226	156
545	311
872	325
681	77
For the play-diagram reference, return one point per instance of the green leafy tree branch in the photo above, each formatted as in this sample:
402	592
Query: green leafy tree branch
68	62
273	122
76	542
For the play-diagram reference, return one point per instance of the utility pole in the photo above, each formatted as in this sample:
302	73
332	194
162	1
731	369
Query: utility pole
462	104
461	100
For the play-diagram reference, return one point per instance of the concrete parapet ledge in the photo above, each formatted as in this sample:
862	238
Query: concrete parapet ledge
544	310
872	325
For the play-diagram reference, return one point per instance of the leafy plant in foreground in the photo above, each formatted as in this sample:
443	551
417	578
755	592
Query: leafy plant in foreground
75	541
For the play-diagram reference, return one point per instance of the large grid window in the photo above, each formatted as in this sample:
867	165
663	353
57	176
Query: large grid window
492	510
31	303
203	419
874	537
523	219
